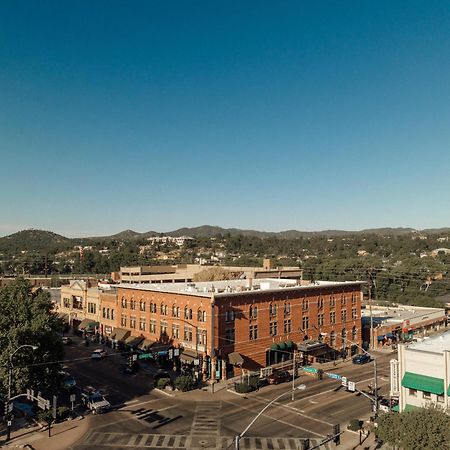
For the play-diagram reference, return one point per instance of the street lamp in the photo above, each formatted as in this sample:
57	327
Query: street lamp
301	387
10	370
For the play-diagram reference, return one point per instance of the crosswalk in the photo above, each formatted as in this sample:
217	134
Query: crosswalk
189	442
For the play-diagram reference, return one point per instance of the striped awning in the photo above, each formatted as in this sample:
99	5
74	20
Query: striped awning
134	341
87	324
119	334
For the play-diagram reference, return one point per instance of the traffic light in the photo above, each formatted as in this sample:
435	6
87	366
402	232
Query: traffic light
320	374
337	434
130	360
6	409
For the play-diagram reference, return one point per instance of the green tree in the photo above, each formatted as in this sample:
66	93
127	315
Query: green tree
424	428
27	318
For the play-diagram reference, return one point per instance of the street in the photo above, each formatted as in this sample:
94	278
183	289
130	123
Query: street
146	418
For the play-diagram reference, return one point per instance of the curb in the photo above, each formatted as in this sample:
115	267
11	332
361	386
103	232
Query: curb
164	392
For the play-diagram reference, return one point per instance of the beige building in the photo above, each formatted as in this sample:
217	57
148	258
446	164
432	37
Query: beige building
80	305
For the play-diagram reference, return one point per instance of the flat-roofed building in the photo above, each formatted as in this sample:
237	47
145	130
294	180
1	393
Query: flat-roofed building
250	323
421	375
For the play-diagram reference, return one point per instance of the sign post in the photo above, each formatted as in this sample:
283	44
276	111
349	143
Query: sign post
72	399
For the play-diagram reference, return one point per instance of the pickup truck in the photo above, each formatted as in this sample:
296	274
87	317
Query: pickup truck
94	400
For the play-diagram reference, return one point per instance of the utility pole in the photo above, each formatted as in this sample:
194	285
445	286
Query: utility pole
369	273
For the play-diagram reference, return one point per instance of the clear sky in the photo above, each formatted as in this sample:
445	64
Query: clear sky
272	115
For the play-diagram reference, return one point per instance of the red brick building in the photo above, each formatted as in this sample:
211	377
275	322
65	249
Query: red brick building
255	322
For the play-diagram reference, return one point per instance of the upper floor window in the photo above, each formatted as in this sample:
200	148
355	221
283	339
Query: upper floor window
201	315
229	316
332	302
253	312
124	302
272	310
142	305
287	308
343	300
163	309
320	303
305	304
353	298
187	313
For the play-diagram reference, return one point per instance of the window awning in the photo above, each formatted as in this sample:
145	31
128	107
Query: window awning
87	324
423	383
408	408
64	317
134	341
160	348
235	359
119	334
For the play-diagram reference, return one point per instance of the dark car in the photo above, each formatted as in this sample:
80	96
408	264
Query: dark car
361	359
66	340
279	377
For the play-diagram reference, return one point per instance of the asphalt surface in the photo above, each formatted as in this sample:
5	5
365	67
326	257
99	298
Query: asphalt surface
145	418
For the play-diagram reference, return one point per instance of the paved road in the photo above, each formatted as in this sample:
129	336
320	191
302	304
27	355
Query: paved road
201	420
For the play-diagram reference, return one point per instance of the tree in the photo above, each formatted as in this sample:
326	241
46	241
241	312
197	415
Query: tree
424	428
213	274
27	318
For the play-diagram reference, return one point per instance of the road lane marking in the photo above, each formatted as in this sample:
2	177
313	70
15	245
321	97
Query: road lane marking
277	420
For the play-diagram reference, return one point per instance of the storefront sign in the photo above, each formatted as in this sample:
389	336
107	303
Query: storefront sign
145	356
395	380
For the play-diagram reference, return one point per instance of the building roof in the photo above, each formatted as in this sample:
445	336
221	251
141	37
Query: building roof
397	315
234	287
435	344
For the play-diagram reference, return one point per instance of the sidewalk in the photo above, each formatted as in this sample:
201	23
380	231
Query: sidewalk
63	435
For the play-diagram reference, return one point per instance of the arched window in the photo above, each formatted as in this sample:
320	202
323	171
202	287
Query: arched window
107	313
104	312
124	302
305	304
190	314
272	310
204	316
112	314
178	311
174	311
200	315
253	312
287	308
186	312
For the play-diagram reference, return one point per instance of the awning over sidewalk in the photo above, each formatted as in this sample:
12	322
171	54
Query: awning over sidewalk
160	348
119	334
235	359
64	317
88	324
134	341
145	344
188	356
423	383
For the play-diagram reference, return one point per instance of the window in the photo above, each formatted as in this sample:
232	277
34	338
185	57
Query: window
344	338
413	392
354	334
272	310
66	302
287	309
153	326
332	302
163	309
132	322
253	312
132	304
175	331
112	314
188	334
440	398
273	329
201	315
343	300
287	326
332	316
229	316
320	319
104	313
107	313
142	324
163	328
353	299
344	315
92	308
124	302
174	311
305	304
305	322
142	305
201	337
123	320
320	303
253	329
229	335
187	313
427	395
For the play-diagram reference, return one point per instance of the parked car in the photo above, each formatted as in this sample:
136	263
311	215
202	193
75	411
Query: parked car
279	377
98	354
66	340
94	400
361	359
386	405
69	381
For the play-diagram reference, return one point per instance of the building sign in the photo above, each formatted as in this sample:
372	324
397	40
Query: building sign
108	330
395	379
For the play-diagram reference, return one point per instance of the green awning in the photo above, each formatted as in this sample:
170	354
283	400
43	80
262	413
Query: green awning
423	383
408	408
396	408
448	390
282	346
289	345
274	347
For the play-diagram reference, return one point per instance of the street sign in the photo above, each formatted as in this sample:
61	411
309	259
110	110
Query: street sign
145	356
170	353
312	370
351	386
72	397
176	352
55	399
344	381
335	376
9	423
135	357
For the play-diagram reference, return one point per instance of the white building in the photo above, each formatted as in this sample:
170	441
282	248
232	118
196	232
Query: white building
422	374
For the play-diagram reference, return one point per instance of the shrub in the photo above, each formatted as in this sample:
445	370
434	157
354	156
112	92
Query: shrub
185	383
354	425
163	382
63	412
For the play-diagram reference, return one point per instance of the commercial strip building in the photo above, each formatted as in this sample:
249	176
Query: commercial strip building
242	324
183	273
391	325
421	375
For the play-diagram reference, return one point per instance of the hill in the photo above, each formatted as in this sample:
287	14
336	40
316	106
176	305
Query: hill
34	241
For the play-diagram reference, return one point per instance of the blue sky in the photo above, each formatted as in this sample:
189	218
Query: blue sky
154	115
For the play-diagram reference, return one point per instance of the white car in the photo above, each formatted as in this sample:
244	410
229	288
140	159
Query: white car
98	354
94	400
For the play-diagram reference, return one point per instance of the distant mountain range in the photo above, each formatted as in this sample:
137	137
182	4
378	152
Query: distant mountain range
39	240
